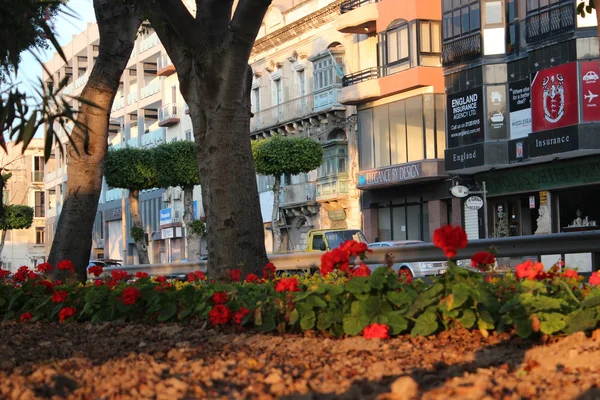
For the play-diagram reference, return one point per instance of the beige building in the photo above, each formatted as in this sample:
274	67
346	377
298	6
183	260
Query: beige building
25	187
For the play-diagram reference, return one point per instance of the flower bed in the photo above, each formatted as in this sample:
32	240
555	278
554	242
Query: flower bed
344	300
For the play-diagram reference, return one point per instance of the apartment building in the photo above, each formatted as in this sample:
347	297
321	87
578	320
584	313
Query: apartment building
25	187
395	81
299	60
522	80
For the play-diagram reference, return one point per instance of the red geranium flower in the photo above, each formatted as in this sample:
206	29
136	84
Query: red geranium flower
112	283
405	276
4	273
251	278
235	275
21	275
362	270
98	282
219	315
48	284
449	238
119	275
570	274
66	265
377	331
239	315
45	267
130	295
196	276
60	296
354	248
32	276
595	278
65	313
529	270
287	285
161	279
96	270
482	260
25	317
269	271
220	298
141	275
336	258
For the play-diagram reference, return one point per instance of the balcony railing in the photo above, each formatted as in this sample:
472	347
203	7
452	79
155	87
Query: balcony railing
164	66
132	96
118	104
149	42
361	76
552	22
37	176
153	138
113	194
82	80
150	89
350	5
133	142
284	112
332	187
327	98
168	115
461	50
297	194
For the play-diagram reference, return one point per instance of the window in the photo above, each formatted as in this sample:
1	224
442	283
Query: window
460	18
405	221
334	161
39	235
256	99
301	83
188	135
318	242
324	74
430	37
512	25
39	209
277	92
38	169
397	43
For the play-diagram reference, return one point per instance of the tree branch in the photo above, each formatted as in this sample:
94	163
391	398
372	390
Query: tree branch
216	15
178	18
245	24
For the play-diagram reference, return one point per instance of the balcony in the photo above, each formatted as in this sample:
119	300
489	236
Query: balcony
331	188
81	81
154	138
361	86
164	66
132	97
133	142
301	193
358	16
284	112
113	194
553	22
37	177
150	89
327	98
149	42
118	104
462	50
168	115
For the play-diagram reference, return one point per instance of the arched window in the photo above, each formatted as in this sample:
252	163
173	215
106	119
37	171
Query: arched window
397	43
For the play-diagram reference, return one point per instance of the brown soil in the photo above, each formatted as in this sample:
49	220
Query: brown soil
117	361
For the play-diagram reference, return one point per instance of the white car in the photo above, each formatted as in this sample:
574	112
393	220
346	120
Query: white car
417	269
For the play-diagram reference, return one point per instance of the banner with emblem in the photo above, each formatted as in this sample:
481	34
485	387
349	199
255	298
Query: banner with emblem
554	97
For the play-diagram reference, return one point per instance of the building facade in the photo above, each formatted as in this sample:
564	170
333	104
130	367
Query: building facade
25	187
522	80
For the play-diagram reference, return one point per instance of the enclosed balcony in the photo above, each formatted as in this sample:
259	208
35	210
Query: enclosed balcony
462	50
298	194
358	16
164	66
168	115
555	21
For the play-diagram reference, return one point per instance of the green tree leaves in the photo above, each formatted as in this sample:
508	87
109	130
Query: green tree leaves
130	168
176	164
286	155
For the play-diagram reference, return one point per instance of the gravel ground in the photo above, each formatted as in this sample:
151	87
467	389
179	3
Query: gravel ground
117	361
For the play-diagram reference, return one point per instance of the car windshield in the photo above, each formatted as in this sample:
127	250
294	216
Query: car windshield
335	239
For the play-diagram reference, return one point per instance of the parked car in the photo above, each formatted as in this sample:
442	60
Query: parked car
417	269
105	263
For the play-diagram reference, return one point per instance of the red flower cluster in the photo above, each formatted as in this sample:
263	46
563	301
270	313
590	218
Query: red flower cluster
95	270
32	276
60	296
220	298
66	265
130	295
21	275
570	274
269	271
251	278
595	278
45	267
362	270
65	313
483	260
141	275
354	248
239	315
4	273
336	258
530	270
405	276
449	238
287	285
161	279
196	276
377	331
119	275
49	285
25	317
219	315
98	282
235	275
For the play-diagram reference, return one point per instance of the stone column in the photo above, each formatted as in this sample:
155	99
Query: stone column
370	224
438	215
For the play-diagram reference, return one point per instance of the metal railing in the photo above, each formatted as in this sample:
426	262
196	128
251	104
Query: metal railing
361	76
535	245
298	193
284	112
461	50
37	176
168	111
555	21
350	5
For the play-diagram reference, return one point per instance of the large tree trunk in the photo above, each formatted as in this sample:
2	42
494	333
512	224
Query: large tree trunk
193	240
275	219
136	221
118	23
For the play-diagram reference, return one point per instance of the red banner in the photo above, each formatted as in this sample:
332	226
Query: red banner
590	90
554	97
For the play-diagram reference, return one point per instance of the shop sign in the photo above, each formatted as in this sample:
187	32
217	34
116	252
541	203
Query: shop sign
389	175
474	203
520	108
464	157
554	97
496	112
542	177
590	90
553	142
336	215
113	214
465	117
459	191
543	198
166	216
167	233
532	202
518	150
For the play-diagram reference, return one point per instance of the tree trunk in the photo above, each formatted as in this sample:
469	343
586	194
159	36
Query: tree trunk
136	221
2	241
275	219
193	240
118	23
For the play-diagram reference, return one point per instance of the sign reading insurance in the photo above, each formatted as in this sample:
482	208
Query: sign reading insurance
554	97
465	117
